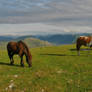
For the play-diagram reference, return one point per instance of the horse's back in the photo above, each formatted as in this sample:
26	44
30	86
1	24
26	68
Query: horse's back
84	40
11	46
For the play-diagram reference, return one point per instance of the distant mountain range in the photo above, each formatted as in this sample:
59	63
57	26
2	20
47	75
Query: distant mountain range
56	39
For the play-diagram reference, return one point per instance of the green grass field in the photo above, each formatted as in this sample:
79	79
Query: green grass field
54	69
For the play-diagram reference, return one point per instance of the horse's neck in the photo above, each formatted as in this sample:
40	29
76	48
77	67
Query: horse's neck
27	53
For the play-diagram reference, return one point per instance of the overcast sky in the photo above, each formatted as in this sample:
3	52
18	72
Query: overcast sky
45	16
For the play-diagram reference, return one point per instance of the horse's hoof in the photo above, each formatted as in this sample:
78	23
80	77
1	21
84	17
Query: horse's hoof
11	64
30	66
22	65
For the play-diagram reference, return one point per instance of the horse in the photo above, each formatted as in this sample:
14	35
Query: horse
21	49
83	41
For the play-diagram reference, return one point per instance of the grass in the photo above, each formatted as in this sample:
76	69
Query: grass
55	69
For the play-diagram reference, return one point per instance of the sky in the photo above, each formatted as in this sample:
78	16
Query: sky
24	17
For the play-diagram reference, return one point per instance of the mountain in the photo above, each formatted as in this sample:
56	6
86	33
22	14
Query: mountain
58	39
62	38
6	38
31	42
44	40
34	42
10	37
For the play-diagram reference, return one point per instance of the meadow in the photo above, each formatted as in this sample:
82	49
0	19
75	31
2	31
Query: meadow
54	69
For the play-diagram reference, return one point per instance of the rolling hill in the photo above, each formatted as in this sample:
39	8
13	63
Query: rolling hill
31	42
34	42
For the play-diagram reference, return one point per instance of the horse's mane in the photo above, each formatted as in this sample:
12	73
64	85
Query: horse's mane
26	47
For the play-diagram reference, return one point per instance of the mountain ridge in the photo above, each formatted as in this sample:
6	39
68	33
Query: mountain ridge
56	39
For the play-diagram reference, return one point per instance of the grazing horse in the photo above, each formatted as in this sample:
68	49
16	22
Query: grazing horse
21	49
83	40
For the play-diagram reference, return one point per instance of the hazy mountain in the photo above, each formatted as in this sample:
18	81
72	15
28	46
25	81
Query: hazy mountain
55	39
59	39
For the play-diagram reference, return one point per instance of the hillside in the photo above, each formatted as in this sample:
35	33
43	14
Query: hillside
31	42
34	42
54	69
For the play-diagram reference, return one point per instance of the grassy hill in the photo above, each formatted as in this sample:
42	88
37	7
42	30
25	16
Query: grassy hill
31	42
55	69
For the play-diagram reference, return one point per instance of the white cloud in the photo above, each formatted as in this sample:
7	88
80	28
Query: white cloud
39	28
61	15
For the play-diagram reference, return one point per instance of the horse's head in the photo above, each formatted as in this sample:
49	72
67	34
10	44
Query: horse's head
29	60
27	53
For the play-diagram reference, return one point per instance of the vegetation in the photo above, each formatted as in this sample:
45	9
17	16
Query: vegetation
31	42
34	42
55	69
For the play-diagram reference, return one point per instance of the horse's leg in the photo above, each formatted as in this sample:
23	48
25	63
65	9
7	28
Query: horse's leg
22	63
78	53
11	58
21	56
12	61
89	50
78	49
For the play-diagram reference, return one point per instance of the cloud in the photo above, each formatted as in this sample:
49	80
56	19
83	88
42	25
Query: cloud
45	10
65	14
41	29
22	4
28	29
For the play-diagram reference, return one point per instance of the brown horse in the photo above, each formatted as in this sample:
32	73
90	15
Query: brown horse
21	49
83	40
